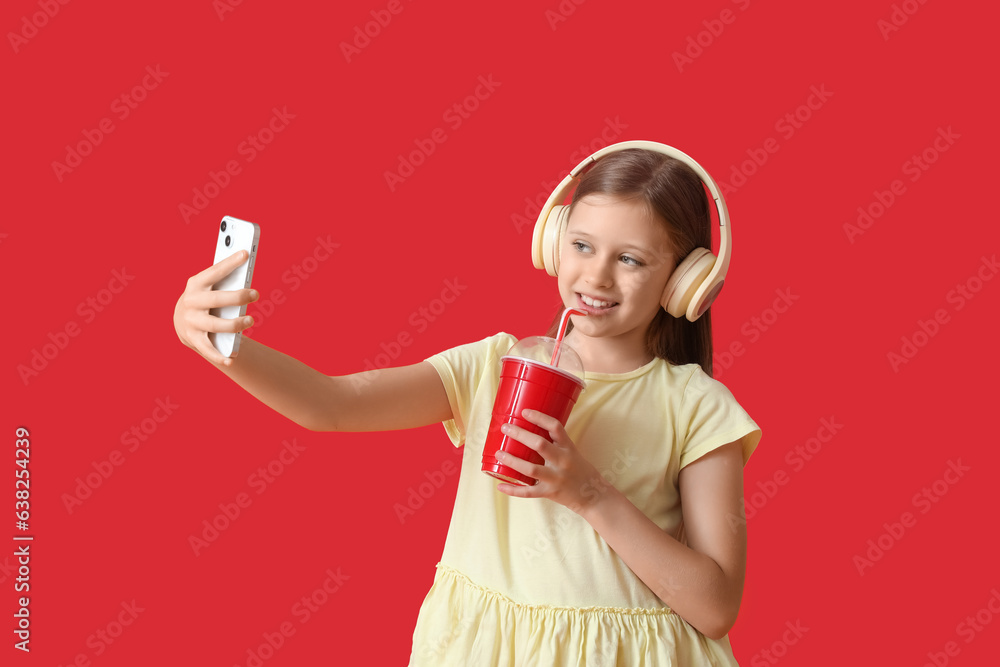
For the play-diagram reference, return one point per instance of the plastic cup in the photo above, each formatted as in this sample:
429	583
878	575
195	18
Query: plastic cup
535	385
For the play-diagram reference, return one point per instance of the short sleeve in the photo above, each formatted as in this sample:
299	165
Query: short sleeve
461	370
710	417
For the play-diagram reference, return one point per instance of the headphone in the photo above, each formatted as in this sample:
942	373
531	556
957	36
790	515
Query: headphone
696	281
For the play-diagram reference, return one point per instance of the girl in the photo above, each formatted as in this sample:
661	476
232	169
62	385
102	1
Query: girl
630	549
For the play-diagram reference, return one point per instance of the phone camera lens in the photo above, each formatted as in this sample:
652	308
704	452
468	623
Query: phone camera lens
228	241
223	225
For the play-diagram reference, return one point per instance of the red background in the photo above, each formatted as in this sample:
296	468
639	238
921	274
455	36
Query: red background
560	85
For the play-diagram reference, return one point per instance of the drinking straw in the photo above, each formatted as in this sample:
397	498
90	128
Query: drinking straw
563	323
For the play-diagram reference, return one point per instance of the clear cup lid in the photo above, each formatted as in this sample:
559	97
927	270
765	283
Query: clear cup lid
541	348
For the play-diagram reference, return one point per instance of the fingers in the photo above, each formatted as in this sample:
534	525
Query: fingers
520	465
192	318
206	322
526	438
516	490
221	269
204	347
208	299
541	419
555	428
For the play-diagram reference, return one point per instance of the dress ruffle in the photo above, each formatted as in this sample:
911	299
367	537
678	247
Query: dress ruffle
463	623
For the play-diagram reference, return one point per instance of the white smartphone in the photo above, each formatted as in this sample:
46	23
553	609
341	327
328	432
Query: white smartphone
234	235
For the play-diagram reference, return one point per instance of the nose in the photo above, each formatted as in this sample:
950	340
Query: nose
600	272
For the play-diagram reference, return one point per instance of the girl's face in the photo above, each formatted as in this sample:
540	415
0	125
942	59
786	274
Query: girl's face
614	264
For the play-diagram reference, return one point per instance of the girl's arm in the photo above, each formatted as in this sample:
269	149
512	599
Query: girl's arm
701	582
379	400
385	399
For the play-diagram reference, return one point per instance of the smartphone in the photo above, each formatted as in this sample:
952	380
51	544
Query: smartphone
234	235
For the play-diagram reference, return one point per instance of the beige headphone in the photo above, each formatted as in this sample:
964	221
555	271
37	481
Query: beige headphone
696	281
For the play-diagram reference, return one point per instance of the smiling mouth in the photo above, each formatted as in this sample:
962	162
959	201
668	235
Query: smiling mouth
595	305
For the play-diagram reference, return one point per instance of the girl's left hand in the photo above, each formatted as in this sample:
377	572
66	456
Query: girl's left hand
567	477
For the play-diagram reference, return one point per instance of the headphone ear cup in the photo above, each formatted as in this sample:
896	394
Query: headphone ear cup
685	281
551	238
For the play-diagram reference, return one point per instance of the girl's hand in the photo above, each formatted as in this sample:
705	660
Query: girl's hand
567	477
192	321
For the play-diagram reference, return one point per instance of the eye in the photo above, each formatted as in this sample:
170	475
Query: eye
631	261
580	246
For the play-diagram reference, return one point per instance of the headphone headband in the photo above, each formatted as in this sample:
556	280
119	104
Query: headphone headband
545	244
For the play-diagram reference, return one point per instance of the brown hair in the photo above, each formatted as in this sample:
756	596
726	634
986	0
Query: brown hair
674	194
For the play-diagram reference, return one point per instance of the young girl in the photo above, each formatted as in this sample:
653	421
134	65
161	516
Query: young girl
630	549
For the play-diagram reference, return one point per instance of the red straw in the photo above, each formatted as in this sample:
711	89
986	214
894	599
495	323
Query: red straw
563	323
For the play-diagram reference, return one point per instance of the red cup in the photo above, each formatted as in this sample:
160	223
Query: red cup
534	385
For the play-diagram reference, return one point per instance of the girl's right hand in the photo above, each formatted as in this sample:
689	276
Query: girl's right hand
193	322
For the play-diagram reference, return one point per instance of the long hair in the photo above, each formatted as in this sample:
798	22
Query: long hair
673	194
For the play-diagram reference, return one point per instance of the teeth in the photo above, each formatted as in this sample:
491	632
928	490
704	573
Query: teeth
594	303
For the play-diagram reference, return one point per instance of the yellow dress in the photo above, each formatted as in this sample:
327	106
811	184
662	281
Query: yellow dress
527	581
